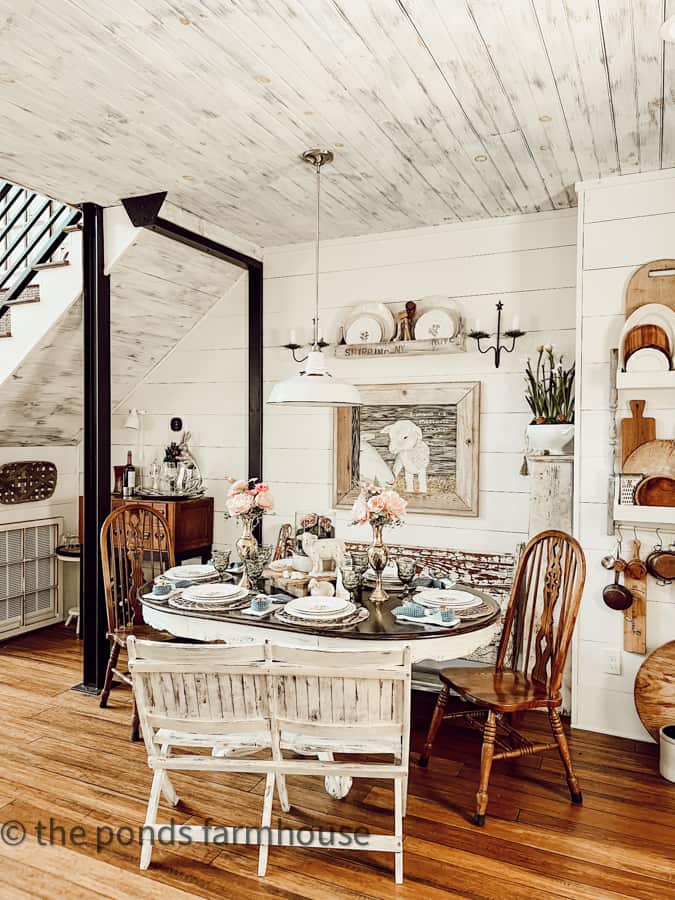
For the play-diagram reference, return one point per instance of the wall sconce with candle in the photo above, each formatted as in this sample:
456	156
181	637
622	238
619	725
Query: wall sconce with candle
514	333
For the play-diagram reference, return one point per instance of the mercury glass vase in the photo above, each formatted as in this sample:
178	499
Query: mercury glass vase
378	556
247	548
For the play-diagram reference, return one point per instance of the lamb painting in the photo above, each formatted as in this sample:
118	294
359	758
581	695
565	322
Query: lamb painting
422	439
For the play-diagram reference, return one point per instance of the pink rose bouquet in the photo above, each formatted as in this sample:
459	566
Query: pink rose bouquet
248	499
377	505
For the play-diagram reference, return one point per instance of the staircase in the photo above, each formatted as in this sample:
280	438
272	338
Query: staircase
32	228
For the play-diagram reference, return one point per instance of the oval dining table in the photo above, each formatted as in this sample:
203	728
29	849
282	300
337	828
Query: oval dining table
380	629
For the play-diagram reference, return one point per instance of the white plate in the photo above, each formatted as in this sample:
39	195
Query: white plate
436	301
647	359
313	607
379	311
218	591
191	572
437	323
364	330
649	314
436	597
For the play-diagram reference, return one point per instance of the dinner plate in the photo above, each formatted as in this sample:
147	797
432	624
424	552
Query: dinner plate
319	607
191	573
379	311
437	301
215	591
455	599
648	359
435	324
357	616
364	330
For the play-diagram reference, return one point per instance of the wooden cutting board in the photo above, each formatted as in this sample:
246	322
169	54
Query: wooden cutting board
645	288
636	430
635	617
652	458
654	690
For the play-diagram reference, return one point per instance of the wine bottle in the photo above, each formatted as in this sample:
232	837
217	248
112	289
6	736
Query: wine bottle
129	478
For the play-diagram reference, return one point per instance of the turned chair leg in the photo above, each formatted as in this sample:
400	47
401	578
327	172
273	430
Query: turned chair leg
564	750
489	734
107	684
436	720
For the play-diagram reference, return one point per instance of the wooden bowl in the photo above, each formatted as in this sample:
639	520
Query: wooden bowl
652	336
656	490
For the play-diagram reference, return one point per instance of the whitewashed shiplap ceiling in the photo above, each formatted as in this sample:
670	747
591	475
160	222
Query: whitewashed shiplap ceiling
159	291
438	109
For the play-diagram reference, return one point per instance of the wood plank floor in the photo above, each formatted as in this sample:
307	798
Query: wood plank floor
64	759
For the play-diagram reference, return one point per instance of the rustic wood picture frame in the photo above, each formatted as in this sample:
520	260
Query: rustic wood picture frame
464	396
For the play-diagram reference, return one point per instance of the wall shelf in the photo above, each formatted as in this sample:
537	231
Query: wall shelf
645	381
651	516
401	348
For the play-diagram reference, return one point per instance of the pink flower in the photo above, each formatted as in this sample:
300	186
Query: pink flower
360	510
238	487
264	500
262	487
376	504
239	504
394	504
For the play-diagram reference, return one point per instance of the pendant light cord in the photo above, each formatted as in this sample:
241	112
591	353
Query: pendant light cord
316	256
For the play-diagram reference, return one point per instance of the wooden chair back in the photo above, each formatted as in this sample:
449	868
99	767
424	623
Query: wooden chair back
136	546
543	608
349	696
200	688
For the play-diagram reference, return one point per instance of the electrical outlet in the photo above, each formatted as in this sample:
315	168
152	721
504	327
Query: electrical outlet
612	661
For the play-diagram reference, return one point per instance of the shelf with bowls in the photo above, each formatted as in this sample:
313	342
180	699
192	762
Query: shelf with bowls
645	381
649	516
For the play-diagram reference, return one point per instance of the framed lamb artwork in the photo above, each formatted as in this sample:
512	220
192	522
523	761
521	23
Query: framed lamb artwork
420	438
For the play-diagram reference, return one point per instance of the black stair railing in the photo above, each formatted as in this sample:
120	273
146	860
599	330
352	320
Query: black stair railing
32	227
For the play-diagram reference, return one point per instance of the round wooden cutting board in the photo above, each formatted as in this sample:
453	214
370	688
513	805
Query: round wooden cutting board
655	689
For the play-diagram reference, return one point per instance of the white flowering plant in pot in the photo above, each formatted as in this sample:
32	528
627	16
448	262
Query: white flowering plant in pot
550	395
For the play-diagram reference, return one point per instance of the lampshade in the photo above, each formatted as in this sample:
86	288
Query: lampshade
133	421
667	31
315	386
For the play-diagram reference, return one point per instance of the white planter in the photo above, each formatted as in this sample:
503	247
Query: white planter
667	754
554	439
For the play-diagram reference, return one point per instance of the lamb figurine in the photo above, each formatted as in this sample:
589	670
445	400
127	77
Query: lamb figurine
411	452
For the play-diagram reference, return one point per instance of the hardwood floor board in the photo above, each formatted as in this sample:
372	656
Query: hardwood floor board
66	758
590	862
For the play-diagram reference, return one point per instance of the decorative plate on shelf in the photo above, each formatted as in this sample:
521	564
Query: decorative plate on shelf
378	311
364	330
437	301
437	323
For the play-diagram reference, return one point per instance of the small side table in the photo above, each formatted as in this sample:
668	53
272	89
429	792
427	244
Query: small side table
71	554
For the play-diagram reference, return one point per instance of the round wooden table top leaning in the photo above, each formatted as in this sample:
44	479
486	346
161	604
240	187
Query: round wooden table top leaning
426	641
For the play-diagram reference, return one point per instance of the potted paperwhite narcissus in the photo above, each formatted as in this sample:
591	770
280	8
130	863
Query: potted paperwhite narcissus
550	396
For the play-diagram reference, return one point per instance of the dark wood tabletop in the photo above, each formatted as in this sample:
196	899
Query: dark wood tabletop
380	622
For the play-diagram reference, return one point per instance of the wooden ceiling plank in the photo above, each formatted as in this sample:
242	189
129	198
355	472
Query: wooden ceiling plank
634	62
313	74
456	46
529	83
573	40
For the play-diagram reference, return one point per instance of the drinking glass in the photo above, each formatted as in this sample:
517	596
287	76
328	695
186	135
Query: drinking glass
221	560
254	569
350	579
360	561
406	569
264	554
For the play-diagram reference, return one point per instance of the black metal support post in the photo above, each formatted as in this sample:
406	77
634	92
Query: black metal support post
97	416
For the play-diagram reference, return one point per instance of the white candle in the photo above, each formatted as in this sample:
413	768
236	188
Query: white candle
293	337
477	325
515	323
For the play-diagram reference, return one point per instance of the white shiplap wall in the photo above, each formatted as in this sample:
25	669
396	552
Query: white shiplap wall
527	261
204	380
623	224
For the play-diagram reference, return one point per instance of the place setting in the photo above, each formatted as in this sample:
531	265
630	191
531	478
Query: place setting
213	597
321	612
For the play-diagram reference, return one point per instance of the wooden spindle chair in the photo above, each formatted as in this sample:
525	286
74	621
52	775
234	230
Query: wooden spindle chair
135	547
538	626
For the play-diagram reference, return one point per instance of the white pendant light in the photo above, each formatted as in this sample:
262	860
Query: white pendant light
314	385
667	31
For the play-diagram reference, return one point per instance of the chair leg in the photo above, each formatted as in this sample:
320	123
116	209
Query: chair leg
283	793
135	735
436	720
151	817
404	785
398	829
487	753
564	750
265	825
112	662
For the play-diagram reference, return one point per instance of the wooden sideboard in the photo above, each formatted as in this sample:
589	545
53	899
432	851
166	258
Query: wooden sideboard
190	524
